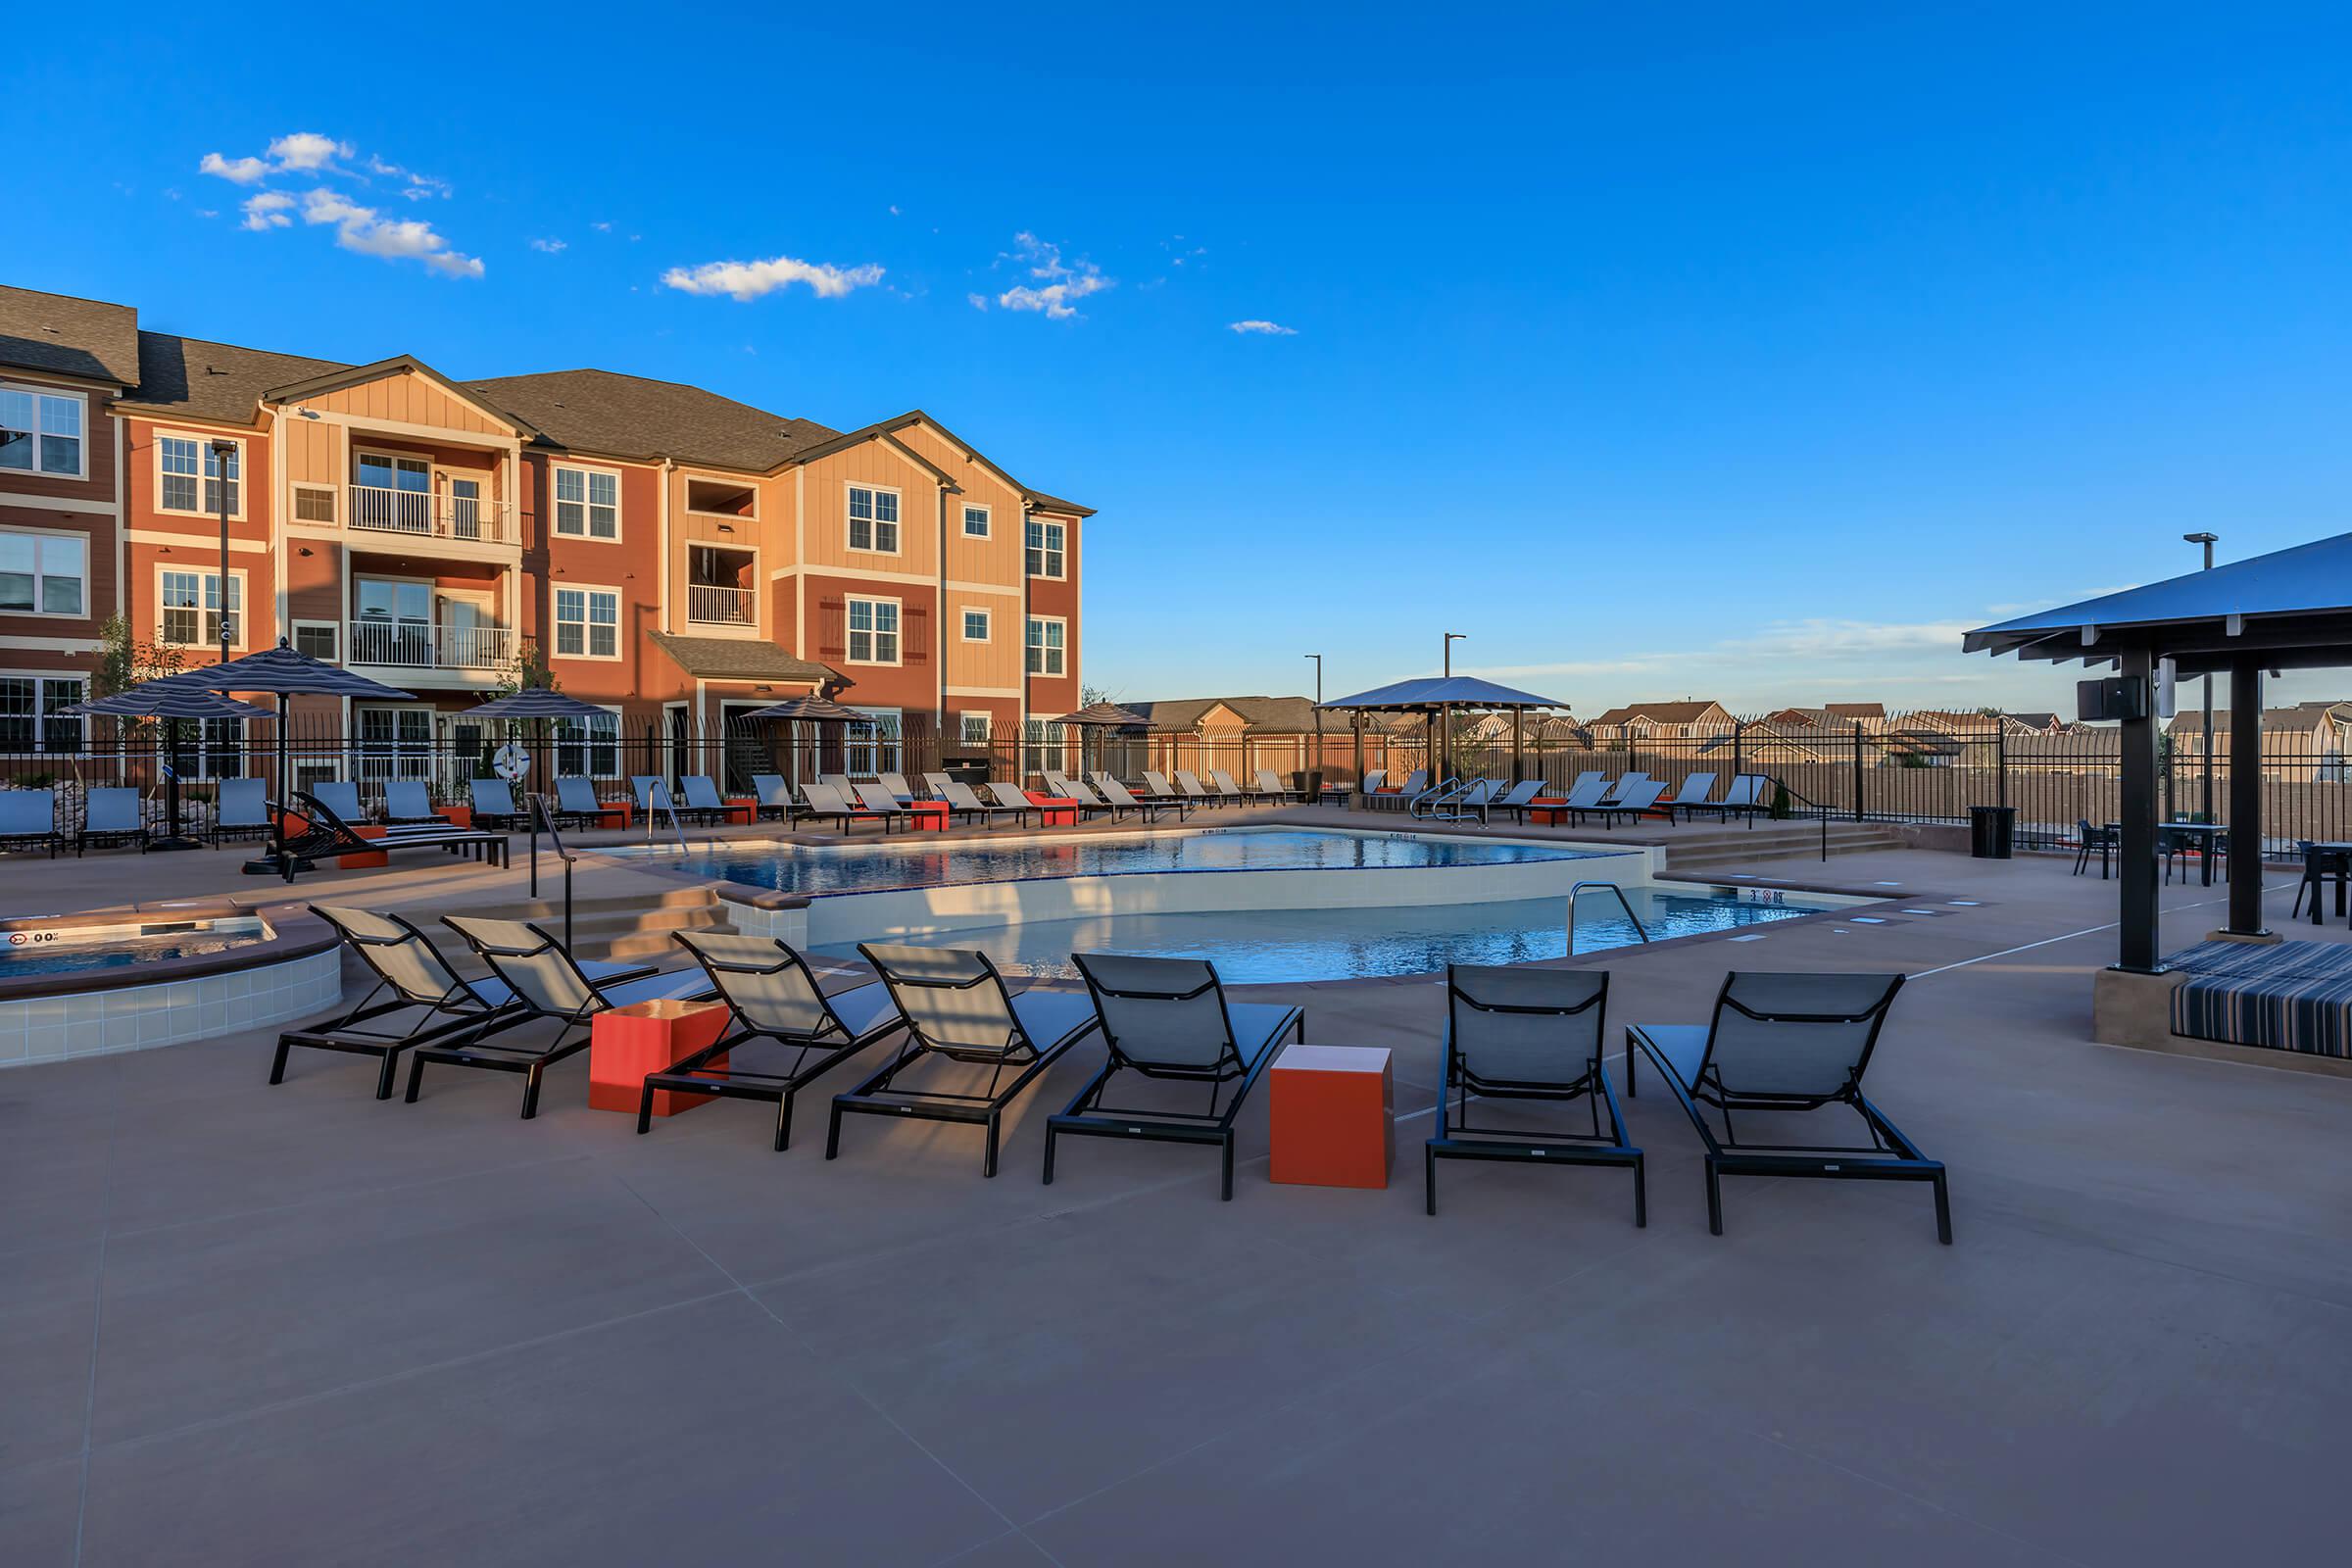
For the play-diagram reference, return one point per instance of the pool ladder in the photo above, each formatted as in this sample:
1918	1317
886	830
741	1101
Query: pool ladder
1623	903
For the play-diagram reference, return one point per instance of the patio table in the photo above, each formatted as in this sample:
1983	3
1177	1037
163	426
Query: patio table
2202	834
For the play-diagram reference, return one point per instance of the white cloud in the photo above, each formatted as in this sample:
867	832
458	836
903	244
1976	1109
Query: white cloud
894	209
749	281
268	211
367	231
1266	328
602	229
1801	638
305	151
239	171
551	246
979	302
1062	282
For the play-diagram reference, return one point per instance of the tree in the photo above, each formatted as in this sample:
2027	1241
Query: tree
528	668
1089	696
125	663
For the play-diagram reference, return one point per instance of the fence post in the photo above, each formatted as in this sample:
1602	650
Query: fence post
1736	768
1857	770
2000	751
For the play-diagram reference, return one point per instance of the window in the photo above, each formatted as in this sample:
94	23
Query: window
873	631
314	503
588	622
213	747
396	743
972	728
975	626
40	432
191	606
317	638
1045	548
1045	647
29	720
873	520
1043	747
44	573
878	748
180	460
975	522
588	747
587	504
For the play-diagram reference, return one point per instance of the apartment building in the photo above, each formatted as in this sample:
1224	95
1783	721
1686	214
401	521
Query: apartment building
677	558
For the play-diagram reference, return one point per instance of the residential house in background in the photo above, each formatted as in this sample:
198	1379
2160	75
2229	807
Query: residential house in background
2307	742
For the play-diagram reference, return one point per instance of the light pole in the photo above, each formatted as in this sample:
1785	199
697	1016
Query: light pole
1316	770
2209	540
1446	715
225	456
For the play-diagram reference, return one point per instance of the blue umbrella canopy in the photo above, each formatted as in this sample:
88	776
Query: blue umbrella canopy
164	698
1445	691
286	672
534	702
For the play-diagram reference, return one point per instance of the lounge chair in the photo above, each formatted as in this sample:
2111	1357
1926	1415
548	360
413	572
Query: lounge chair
111	815
28	820
1222	782
547	983
1631	802
1402	796
702	802
1370	783
1533	1035
1188	784
1159	787
342	797
494	803
1012	798
1429	801
773	997
1692	797
1168	1018
242	810
961	801
827	803
877	799
1749	794
956	1008
1122	799
330	834
407	802
937	784
1272	790
898	785
1475	801
774	795
411	974
577	804
1518	799
1783	1044
654	797
1063	787
1586	795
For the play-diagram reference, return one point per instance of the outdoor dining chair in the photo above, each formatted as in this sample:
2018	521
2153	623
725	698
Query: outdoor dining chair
2092	841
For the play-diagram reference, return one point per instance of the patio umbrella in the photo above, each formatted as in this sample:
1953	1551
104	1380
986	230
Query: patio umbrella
812	709
164	700
284	674
1102	716
534	702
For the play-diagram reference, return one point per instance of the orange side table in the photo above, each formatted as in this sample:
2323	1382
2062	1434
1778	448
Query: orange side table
457	815
1053	811
364	862
930	816
615	814
627	1043
1536	812
746	810
1330	1115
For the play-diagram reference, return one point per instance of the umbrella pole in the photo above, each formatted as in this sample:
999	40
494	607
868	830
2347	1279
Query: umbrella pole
173	840
274	863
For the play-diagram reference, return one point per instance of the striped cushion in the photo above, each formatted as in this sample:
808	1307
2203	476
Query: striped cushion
2288	995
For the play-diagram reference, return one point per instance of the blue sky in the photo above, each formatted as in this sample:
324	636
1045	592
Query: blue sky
1716	351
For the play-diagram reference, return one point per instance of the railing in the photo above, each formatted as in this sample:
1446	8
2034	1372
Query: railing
1580	889
721	606
415	645
379	508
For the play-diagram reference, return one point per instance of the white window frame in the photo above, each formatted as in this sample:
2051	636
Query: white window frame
207	474
1058	554
202	574
81	404
295	629
879	746
1032	645
587	622
399	757
587	743
1045	745
849	519
988	521
587	503
988	625
964	722
41	678
40	576
896	633
334	504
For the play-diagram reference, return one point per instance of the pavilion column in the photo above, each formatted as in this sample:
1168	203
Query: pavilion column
2245	799
1518	744
2136	853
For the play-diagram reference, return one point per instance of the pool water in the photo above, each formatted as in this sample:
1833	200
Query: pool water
912	862
1275	947
42	952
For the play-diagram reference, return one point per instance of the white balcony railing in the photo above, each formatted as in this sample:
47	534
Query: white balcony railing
721	606
379	508
416	645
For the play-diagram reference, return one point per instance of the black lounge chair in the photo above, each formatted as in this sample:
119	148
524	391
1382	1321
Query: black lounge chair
956	1008
774	796
1531	1035
1748	795
773	997
407	804
1168	1018
410	975
111	815
1635	798
494	804
547	983
330	835
1785	1043
1122	799
577	804
1692	797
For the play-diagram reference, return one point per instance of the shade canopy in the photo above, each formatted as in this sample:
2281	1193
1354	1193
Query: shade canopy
286	672
535	701
166	699
2292	609
812	711
1443	691
1105	715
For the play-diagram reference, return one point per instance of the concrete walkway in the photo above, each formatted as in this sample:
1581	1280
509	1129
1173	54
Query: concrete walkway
251	1325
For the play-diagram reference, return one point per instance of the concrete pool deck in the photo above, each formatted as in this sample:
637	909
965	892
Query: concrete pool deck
254	1325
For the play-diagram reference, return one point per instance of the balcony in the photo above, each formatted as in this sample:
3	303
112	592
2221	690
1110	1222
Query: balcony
416	645
718	607
424	515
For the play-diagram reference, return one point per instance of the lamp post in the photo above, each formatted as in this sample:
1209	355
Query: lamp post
1315	770
1445	717
224	456
2209	540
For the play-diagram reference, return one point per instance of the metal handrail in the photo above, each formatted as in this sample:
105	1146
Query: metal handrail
542	818
1623	901
659	797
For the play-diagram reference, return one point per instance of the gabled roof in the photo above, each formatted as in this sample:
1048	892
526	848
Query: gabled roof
204	380
631	417
1854	709
1046	503
91	339
1682	712
343	375
1259	716
741	659
882	428
2301	716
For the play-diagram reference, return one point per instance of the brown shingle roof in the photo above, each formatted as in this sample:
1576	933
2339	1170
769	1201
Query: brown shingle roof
1038	497
1656	713
631	417
69	337
213	380
740	659
1259	716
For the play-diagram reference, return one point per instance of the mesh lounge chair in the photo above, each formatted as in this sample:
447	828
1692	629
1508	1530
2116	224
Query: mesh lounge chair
1121	799
1222	782
1518	798
494	803
342	797
1159	787
1442	798
828	804
655	797
242	810
111	815
577	804
774	795
28	820
1531	1034
1273	790
1168	1018
956	1008
702	799
330	835
1749	794
961	801
1063	787
1012	798
1476	800
772	997
547	983
1631	801
406	801
1188	784
937	784
1371	782
877	799
898	785
1380	798
1692	797
1787	1043
410	975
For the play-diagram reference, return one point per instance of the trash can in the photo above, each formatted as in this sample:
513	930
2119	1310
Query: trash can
1308	782
1991	831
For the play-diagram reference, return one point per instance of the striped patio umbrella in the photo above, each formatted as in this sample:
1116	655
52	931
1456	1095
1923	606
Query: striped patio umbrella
164	698
534	702
812	710
1102	716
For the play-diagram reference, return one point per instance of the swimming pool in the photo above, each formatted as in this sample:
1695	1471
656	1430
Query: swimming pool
1266	947
66	950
